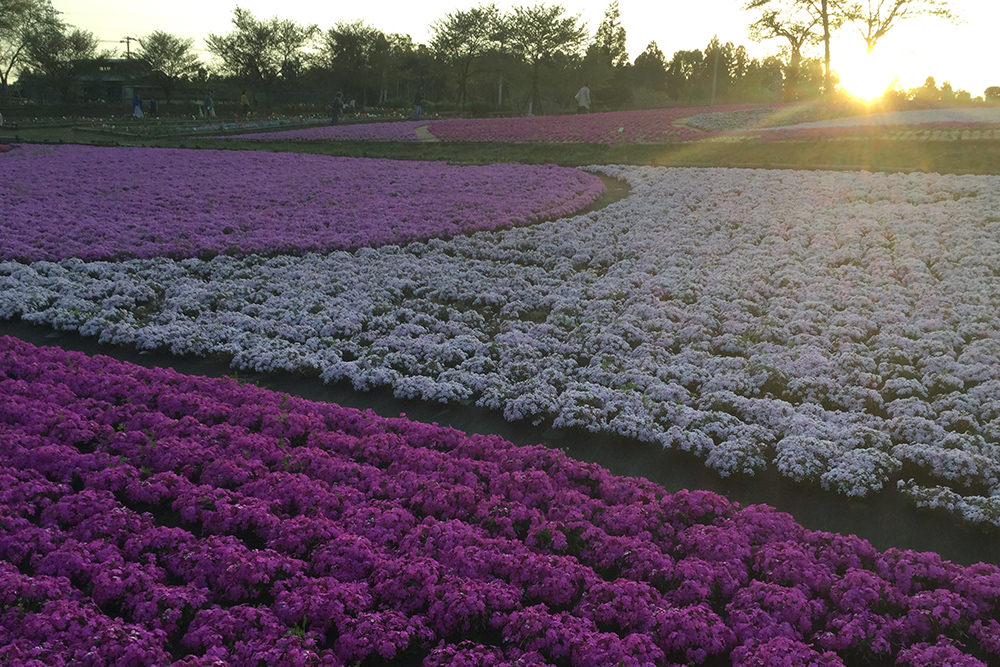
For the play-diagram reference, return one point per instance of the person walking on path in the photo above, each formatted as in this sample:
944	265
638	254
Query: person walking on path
245	104
209	106
583	99
336	108
418	101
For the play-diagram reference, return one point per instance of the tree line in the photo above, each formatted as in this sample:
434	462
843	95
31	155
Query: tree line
478	60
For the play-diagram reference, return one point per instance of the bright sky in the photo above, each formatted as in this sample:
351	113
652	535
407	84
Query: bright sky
913	50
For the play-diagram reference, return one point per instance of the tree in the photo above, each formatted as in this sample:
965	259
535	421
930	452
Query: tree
262	52
681	72
609	40
353	51
541	32
875	18
22	24
650	68
171	58
788	20
606	59
992	94
463	37
57	52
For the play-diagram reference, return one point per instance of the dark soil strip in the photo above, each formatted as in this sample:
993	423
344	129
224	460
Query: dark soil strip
886	520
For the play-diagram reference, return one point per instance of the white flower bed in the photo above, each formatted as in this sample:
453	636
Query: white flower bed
842	327
963	115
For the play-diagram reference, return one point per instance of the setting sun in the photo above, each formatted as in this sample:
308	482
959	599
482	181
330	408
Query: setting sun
868	75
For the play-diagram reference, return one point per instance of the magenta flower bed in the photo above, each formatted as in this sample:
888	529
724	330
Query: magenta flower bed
613	127
381	131
90	202
151	518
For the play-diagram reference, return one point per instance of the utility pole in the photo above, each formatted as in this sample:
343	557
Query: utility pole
715	75
128	45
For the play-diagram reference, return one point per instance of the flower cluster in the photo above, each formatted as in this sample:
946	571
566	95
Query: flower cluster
841	327
90	202
152	518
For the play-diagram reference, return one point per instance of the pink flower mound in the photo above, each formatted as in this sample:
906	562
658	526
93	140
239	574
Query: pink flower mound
92	203
614	127
153	518
385	131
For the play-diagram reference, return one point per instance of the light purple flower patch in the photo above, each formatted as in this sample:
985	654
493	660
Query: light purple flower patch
95	203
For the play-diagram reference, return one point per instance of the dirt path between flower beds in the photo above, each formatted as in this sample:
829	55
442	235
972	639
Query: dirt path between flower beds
424	133
886	520
614	190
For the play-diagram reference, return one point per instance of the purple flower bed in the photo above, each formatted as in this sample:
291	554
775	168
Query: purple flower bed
93	203
615	127
148	517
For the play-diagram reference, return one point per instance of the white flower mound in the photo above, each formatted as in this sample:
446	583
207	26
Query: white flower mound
841	327
965	115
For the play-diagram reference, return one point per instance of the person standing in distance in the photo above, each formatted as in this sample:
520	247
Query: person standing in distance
418	101
583	99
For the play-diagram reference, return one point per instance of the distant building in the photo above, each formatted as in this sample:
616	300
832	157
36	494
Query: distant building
94	80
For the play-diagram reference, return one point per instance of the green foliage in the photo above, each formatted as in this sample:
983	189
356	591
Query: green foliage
171	58
463	37
609	41
540	34
259	51
24	25
650	68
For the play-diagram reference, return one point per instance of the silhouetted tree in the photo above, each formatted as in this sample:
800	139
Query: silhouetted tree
23	23
650	68
463	37
262	52
790	21
540	33
353	51
682	70
609	40
57	54
171	58
606	62
875	18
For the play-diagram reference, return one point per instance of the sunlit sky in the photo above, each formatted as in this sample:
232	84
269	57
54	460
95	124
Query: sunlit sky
962	53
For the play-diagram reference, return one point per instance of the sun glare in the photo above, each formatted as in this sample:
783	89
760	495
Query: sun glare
868	76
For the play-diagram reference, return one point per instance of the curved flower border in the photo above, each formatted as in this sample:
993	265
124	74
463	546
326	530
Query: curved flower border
840	327
153	518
